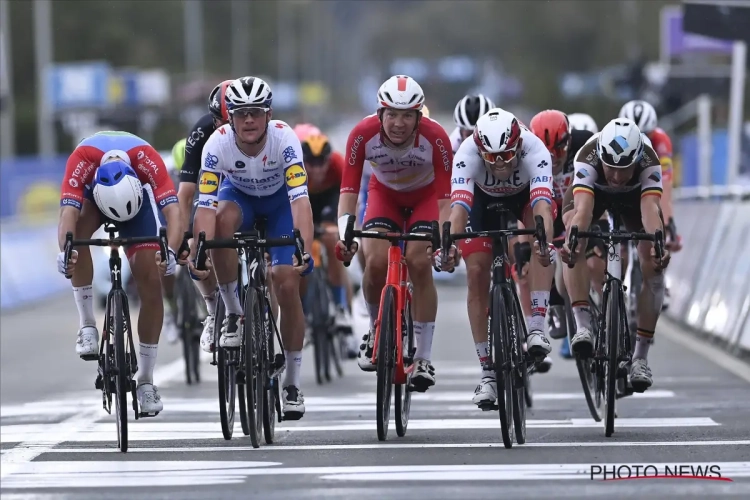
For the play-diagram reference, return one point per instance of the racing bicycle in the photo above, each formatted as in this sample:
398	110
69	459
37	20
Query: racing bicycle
117	358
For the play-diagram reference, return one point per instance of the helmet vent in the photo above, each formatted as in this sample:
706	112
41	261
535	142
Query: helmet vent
260	89
105	180
388	96
114	212
118	175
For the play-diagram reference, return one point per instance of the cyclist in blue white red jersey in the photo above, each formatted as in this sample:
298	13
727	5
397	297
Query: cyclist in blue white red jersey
119	177
260	160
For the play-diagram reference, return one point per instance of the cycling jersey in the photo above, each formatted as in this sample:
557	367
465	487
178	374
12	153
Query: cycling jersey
533	169
194	144
662	144
83	162
564	178
279	162
332	178
456	140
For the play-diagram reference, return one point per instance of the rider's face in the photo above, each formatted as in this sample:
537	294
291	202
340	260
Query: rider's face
618	177
399	124
250	123
501	169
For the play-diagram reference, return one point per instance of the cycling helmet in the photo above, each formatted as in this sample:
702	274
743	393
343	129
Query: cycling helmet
248	92
117	191
497	135
642	113
469	109
553	128
216	101
400	92
620	144
305	130
582	121
316	149
115	155
178	154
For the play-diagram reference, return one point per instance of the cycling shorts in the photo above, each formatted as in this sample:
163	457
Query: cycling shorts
277	211
396	210
481	219
325	205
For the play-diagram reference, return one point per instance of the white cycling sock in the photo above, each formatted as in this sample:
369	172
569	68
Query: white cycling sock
539	305
582	314
373	309
84	297
483	353
643	340
293	368
230	295
423	333
146	362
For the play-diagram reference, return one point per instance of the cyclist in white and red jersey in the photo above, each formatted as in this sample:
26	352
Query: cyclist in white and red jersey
411	158
505	162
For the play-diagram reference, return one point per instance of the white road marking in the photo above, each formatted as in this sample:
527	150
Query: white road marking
398	445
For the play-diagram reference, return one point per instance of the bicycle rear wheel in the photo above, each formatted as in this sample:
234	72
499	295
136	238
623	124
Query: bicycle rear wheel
187	320
227	367
318	298
254	365
519	370
402	396
386	347
121	372
500	344
613	328
270	389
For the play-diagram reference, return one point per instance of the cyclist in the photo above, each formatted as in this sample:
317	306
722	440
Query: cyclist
324	168
563	142
508	163
410	157
465	116
616	168
119	177
582	121
261	161
194	143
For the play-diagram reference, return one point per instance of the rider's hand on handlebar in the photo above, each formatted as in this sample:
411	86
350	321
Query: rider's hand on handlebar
168	267
548	257
70	267
198	275
306	266
566	255
451	260
343	254
660	266
674	245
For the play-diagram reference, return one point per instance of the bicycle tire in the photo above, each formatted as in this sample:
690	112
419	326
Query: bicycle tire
334	341
519	371
227	378
186	318
402	395
500	339
584	366
385	347
121	373
321	324
270	385
613	326
636	282
254	365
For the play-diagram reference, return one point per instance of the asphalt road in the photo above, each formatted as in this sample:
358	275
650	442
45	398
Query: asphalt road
57	442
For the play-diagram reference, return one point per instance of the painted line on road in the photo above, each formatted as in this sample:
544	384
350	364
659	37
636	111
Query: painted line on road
705	349
377	446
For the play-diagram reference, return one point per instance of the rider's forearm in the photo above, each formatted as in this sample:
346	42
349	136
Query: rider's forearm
303	220
666	201
348	204
68	219
650	214
459	218
444	210
174	225
205	220
544	209
583	212
185	195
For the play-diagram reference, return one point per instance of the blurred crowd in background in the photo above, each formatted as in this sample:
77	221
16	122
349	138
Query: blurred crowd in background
73	67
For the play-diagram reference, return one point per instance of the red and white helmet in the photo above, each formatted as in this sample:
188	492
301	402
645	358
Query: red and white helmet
497	135
400	92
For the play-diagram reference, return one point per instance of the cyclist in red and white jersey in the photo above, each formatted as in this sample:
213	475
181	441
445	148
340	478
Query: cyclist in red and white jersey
411	159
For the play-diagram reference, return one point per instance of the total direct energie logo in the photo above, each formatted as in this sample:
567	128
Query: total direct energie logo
295	176
209	183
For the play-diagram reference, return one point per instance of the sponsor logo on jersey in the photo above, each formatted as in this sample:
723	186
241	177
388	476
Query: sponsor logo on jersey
239	164
444	153
289	154
295	176
582	174
195	136
656	177
208	184
461	164
541	178
354	148
211	160
542	164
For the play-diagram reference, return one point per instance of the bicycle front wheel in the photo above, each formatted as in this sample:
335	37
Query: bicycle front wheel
501	346
271	386
614	326
386	347
519	371
584	367
227	367
121	372
402	396
254	363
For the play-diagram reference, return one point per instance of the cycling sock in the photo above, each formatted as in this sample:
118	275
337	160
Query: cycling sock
373	309
582	313
293	368
211	301
643	341
230	296
539	305
483	353
423	333
339	295
146	362
84	296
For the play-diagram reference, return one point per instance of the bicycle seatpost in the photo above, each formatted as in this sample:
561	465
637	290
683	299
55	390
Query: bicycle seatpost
348	235
446	242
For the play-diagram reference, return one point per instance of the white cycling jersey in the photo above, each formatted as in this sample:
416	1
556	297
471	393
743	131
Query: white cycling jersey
279	162
533	170
456	140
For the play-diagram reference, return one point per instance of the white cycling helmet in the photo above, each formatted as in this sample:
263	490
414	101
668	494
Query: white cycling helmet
620	143
117	191
248	92
642	113
469	109
497	135
115	155
582	121
400	92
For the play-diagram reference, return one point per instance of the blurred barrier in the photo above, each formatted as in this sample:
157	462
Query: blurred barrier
28	256
710	278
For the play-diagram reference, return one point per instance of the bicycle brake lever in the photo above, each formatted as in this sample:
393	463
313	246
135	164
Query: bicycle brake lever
200	255
572	244
446	242
349	236
163	243
299	246
68	250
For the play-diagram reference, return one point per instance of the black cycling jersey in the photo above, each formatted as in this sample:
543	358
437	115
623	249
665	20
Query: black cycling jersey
577	139
197	138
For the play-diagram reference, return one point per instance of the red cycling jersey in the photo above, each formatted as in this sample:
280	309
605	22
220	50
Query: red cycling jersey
662	144
332	177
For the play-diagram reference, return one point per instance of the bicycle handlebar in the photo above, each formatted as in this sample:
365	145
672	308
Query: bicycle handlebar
70	243
616	237
246	240
538	231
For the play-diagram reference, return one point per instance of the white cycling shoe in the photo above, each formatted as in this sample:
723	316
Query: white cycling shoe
364	356
87	343
293	403
422	376
582	344
231	334
149	401
486	392
207	337
640	375
537	344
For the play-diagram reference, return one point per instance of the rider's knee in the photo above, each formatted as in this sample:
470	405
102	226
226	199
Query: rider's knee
146	275
227	218
286	283
420	267
376	264
477	276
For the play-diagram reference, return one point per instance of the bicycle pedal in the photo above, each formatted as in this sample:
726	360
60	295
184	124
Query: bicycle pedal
487	406
89	357
146	415
292	415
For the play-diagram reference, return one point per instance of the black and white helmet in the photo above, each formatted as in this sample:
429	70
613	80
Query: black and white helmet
642	113
469	109
620	143
248	92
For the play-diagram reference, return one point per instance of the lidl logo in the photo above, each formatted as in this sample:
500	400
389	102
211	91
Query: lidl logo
209	183
295	176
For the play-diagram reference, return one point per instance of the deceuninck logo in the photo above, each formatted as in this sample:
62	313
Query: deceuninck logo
615	472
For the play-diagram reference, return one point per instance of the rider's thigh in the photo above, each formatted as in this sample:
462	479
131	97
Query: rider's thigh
146	275
478	272
644	255
229	217
376	257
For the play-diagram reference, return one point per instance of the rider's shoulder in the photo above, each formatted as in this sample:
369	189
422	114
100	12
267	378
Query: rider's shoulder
367	127
587	153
